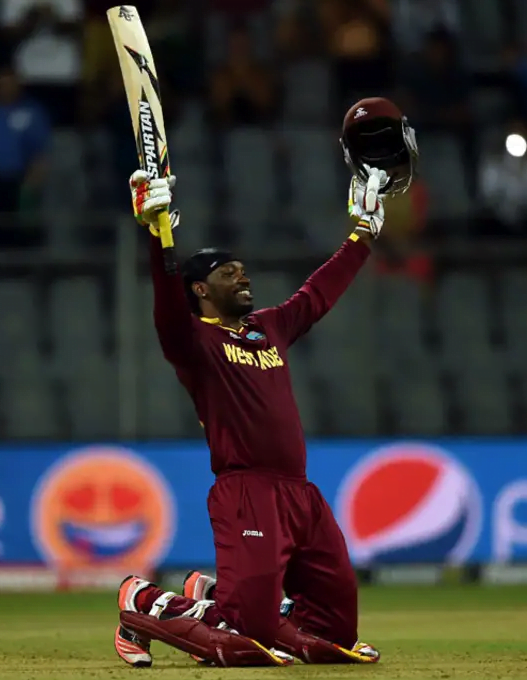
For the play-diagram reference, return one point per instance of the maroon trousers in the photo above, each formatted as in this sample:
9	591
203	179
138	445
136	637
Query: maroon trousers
273	534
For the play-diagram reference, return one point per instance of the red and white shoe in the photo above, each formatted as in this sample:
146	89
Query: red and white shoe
128	590
132	649
198	586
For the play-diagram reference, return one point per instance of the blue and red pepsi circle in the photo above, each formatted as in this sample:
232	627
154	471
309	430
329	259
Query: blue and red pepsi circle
409	503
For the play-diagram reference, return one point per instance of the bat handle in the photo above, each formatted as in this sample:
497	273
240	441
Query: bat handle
167	242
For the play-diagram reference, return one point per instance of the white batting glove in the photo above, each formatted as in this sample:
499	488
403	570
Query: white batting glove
149	197
365	203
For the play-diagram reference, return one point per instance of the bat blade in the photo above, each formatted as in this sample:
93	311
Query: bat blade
144	100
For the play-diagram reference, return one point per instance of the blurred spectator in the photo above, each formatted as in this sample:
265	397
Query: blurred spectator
174	41
400	250
358	40
100	65
109	148
413	20
243	90
239	6
515	62
436	97
47	53
297	30
24	139
503	178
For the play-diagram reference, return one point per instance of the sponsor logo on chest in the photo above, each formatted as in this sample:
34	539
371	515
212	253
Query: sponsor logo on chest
262	358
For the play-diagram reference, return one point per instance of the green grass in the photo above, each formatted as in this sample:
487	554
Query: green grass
459	632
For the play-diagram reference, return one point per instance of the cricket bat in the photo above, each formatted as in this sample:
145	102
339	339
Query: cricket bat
144	100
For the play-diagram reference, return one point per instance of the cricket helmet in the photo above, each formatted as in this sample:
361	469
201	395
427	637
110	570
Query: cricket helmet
375	133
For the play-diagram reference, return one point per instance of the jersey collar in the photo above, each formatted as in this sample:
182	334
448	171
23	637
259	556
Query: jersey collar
214	321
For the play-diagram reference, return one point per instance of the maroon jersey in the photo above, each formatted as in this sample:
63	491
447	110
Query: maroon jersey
239	380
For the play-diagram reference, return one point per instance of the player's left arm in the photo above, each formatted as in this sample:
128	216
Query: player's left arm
294	317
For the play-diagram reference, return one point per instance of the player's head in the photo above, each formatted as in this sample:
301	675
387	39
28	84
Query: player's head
216	283
375	133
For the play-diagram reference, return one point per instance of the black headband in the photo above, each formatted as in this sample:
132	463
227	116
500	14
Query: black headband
203	262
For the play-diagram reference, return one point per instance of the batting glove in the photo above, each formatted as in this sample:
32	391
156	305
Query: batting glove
365	204
149	197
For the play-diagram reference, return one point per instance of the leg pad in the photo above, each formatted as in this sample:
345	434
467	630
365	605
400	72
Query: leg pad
309	648
189	635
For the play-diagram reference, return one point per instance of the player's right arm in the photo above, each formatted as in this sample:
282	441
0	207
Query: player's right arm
172	314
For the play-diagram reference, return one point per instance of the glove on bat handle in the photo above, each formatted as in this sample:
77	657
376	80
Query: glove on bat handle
167	242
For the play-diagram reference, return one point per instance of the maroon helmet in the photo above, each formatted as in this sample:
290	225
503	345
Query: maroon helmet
375	133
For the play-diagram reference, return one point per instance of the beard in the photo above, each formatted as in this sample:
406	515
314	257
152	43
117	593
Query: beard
234	308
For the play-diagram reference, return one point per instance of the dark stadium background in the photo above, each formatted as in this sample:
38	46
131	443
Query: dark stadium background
431	339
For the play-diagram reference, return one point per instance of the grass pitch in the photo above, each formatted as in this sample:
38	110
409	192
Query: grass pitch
460	632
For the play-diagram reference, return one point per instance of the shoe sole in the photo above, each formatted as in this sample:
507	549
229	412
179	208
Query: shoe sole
142	663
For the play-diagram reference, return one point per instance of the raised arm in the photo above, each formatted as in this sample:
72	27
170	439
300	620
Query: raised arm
172	315
173	318
319	293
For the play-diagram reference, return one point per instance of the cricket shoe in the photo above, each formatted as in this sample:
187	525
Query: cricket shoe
197	586
129	646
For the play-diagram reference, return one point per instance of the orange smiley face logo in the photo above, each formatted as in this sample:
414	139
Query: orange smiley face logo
103	506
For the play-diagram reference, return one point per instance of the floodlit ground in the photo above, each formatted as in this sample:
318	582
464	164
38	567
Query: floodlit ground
423	632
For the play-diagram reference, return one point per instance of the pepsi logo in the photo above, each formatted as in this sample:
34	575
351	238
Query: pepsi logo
409	503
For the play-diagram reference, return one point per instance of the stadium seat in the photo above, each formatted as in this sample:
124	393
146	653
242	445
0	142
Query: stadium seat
513	296
463	320
418	403
352	398
490	105
164	408
442	169
78	328
520	18
249	168
29	408
483	27
91	399
307	86
349	327
145	329
399	324
484	399
66	187
20	328
316	203
314	156
187	137
193	198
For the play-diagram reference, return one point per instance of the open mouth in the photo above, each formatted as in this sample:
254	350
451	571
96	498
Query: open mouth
245	295
104	541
